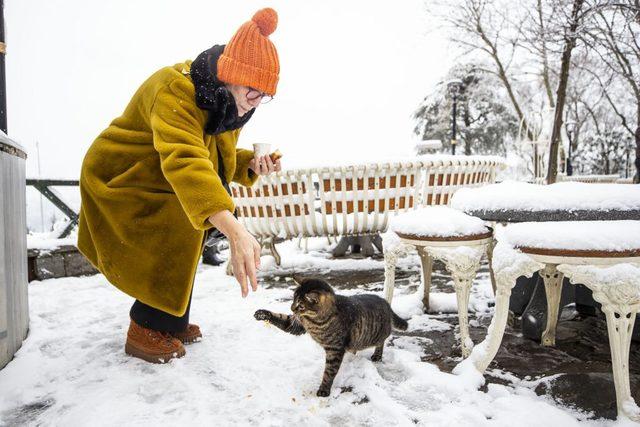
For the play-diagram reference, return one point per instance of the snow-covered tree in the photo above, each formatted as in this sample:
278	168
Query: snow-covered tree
484	119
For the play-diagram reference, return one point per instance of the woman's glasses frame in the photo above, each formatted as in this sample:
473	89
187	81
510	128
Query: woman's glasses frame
254	94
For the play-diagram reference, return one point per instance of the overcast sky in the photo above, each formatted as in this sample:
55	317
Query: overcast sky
352	72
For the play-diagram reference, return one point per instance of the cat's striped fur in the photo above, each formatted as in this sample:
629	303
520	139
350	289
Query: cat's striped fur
338	323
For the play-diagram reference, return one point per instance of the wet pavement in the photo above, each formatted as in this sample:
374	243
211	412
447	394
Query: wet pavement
575	373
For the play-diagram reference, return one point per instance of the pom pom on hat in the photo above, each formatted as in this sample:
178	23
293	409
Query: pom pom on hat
267	20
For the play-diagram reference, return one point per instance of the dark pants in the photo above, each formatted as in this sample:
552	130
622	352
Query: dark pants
152	318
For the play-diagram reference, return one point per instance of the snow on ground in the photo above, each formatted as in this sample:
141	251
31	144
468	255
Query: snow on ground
317	257
72	369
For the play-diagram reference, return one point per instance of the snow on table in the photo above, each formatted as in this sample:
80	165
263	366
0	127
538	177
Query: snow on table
72	370
574	235
439	221
512	195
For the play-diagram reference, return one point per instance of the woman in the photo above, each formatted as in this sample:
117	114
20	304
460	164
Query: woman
154	183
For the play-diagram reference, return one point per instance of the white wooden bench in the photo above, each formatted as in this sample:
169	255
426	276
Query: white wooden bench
353	200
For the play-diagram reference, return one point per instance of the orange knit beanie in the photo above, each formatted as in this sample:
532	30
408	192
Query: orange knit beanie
250	59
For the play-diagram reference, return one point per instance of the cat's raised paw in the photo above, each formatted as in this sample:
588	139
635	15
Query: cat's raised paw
323	393
262	315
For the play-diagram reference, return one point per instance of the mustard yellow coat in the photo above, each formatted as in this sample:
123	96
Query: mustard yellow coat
148	184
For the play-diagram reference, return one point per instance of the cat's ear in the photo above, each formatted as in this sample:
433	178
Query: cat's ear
297	280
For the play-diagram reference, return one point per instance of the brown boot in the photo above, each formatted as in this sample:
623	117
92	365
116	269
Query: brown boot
152	346
190	335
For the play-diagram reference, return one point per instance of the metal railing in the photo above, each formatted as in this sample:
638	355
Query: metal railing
44	187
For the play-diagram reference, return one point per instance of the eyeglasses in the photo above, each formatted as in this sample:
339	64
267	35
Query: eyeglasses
254	94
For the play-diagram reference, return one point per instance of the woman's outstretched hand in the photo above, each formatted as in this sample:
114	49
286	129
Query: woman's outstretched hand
264	165
245	258
245	250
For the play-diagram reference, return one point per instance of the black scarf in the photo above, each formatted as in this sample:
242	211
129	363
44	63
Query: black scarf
212	96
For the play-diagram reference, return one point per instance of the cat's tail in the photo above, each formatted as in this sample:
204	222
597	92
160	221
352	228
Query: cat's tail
398	322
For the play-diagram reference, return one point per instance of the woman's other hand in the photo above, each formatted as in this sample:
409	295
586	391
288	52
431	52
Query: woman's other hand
264	165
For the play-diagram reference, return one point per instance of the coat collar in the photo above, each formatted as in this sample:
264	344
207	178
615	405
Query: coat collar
212	95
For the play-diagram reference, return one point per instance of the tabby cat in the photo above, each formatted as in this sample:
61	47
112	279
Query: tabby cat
338	323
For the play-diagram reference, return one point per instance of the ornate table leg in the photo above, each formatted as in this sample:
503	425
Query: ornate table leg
553	289
492	275
427	268
484	352
620	303
463	266
391	256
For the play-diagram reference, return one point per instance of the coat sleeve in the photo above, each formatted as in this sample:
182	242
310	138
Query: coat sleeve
243	175
177	127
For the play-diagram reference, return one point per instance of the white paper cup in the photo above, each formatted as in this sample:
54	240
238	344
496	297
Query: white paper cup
260	149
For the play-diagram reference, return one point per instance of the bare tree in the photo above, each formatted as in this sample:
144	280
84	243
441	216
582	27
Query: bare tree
598	138
535	30
517	43
584	17
538	38
570	38
478	26
615	38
